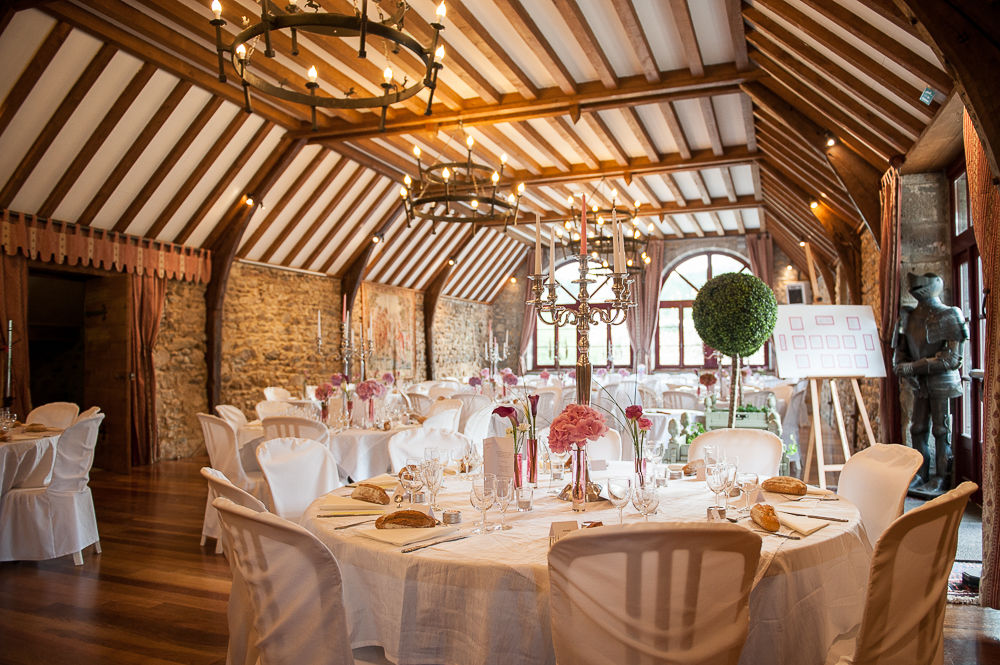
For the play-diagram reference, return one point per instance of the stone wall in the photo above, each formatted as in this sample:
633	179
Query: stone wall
459	336
507	315
181	373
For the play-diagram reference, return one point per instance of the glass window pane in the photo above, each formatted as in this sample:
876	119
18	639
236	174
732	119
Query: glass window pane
545	339
567	346
964	290
961	195
722	263
599	344
695	270
669	332
694	350
621	345
981	361
675	288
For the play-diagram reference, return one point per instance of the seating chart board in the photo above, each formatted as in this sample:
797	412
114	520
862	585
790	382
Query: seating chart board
827	341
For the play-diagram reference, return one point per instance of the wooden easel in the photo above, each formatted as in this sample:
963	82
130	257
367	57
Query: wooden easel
816	431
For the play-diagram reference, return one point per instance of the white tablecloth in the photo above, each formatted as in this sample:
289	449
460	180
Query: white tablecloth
485	599
27	460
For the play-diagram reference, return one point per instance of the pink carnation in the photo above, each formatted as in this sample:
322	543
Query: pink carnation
601	371
388	379
510	379
484	372
544	376
645	424
506	370
577	424
475	381
337	379
367	389
325	392
623	372
633	412
380	389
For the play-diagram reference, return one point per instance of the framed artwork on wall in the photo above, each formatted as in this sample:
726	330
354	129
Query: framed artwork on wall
390	314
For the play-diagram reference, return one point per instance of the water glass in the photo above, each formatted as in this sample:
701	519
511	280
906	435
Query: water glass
715	479
432	454
646	500
558	464
748	485
410	476
433	475
482	496
504	494
619	492
525	494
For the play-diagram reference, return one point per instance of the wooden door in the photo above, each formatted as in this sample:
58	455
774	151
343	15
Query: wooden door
107	367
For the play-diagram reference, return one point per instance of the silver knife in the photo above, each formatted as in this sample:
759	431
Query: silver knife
414	548
815	517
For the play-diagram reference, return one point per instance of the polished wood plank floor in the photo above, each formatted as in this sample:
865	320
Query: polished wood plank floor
154	596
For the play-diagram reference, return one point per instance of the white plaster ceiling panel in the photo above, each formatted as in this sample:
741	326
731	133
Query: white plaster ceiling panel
588	136
683	220
713	183
512	134
742	175
692	122
622	132
149	161
704	220
728	219
685	183
550	21
552	137
611	36
652	119
661	32
897	34
659	188
729	117
711	26
751	218
358	223
19	43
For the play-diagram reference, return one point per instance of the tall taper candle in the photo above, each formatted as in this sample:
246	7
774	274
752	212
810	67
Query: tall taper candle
343	316
552	256
10	356
616	232
319	324
538	245
583	224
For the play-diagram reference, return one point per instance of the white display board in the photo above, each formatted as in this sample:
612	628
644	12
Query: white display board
827	341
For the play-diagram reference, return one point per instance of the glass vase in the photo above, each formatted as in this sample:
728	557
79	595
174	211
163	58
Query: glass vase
518	470
578	482
640	470
533	462
370	414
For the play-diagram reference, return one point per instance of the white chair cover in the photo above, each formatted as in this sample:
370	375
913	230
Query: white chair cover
294	586
419	402
471	402
875	480
276	394
268	409
277	427
648	397
86	415
54	414
39	523
444	405
411	443
233	414
242	649
759	451
549	398
791	418
437	392
297	471
448	419
477	427
757	398
608	447
903	621
674	593
680	399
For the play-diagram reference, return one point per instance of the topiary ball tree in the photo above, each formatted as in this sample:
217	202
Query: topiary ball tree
734	313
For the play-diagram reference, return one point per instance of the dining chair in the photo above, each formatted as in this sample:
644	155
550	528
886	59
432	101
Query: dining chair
680	399
648	397
792	416
549	399
903	619
471	402
447	419
297	471
233	414
440	405
441	391
758	450
652	593
875	480
420	403
608	447
757	398
59	415
89	413
295	590
477	427
412	442
267	409
224	455
241	650
276	394
38	523
276	427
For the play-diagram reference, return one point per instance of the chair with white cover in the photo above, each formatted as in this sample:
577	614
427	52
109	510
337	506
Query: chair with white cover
757	398
59	415
295	622
89	413
444	405
419	402
277	427
759	451
608	447
224	455
234	415
268	409
903	619
549	403
648	397
240	615
38	523
412	442
680	399
297	471
471	402
652	593
276	394
447	419
791	417
477	427
875	480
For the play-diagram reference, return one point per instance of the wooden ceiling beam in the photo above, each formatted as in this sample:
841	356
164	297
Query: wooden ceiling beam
727	182
674	226
719	229
675	191
776	161
675	129
737	33
746	110
354	274
470	258
625	9
483	279
711	124
503	266
394	172
592	96
528	30
599	127
540	143
441	246
331	207
425	233
799	212
699	182
59	117
688	38
342	211
698	231
640	133
380	228
889	11
514	151
32	72
823	180
96	139
580	30
397	237
569	135
740	225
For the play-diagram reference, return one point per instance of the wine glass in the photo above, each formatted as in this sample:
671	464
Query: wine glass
432	454
482	495
558	464
646	500
504	493
619	492
433	475
712	455
715	479
748	483
730	471
410	476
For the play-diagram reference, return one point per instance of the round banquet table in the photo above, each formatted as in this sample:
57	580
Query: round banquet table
485	599
27	459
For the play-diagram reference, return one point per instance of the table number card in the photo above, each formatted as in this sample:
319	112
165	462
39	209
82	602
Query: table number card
559	529
498	456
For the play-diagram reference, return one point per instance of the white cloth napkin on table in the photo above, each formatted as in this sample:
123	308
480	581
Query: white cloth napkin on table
818	491
386	481
803	525
401	537
345	504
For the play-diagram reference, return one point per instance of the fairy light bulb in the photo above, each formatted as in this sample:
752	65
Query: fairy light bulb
312	74
495	177
249	201
474	204
441	11
629	263
594	254
217	9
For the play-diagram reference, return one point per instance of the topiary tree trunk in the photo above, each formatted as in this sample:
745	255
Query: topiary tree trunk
734	391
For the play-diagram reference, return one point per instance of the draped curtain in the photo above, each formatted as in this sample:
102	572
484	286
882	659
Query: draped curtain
761	253
147	307
984	208
889	280
528	322
641	322
14	307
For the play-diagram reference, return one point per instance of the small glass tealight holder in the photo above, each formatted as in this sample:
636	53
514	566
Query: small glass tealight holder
524	498
716	513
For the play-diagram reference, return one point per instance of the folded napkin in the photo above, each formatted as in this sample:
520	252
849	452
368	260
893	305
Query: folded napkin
386	481
818	491
351	513
401	537
346	504
803	525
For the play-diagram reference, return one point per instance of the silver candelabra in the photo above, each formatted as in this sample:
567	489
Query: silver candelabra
494	355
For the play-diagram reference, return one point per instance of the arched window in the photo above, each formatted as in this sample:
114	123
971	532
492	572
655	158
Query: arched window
677	342
604	339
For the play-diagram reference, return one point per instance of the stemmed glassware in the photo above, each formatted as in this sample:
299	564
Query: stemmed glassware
432	472
504	489
482	496
715	479
646	499
619	492
748	483
411	477
557	464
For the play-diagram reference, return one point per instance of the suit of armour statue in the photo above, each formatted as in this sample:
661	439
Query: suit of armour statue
928	355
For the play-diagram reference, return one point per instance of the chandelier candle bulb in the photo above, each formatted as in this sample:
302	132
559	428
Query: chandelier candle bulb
538	244
217	9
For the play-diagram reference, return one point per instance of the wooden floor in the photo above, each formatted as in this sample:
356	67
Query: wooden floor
155	596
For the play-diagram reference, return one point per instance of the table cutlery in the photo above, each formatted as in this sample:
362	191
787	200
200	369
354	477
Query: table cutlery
347	514
816	498
815	517
348	526
414	548
775	533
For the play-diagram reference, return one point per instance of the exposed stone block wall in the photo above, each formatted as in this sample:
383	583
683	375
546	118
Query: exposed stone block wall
507	312
459	337
181	373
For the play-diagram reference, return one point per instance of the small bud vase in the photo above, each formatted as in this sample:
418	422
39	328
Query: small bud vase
518	470
578	483
533	462
640	470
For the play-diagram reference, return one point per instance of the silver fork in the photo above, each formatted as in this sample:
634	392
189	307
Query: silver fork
816	498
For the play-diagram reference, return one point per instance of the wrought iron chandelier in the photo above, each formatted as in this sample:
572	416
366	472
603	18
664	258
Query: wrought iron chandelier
468	191
600	240
296	19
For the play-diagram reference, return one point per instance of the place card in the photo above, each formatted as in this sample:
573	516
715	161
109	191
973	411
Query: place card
559	529
498	456
598	465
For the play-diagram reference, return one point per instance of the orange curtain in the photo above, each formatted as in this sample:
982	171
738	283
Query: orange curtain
147	307
14	308
984	207
889	281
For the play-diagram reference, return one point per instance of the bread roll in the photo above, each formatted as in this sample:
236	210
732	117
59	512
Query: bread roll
764	516
784	485
691	468
405	519
370	493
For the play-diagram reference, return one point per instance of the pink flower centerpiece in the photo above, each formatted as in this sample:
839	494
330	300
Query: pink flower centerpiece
388	378
623	372
367	389
475	381
325	391
571	374
544	376
577	424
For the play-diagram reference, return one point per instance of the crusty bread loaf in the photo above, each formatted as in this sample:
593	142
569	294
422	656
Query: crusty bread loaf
370	493
405	519
692	467
784	485
764	516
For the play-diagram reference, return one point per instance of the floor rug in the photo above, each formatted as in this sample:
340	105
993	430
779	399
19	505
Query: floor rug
958	592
